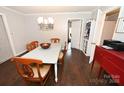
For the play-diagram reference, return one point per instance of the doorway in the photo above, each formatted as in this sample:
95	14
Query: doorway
109	25
74	33
69	34
5	47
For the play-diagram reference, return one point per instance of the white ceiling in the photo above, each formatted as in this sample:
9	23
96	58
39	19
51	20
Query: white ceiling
51	9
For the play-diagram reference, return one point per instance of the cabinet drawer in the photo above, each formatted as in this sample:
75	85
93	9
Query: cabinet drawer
116	73
100	53
114	59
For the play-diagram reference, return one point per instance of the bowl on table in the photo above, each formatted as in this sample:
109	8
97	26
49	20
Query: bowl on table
45	45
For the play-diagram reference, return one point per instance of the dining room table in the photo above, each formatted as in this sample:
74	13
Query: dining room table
47	56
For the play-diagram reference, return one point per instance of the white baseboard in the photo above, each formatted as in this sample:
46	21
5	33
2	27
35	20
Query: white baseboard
12	56
5	60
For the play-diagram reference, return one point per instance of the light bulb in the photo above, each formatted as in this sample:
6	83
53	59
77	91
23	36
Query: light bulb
45	21
40	20
50	19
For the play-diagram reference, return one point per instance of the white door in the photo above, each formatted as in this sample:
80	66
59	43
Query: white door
76	34
97	33
5	48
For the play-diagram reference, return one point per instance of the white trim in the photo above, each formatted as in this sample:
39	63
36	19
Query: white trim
57	13
42	13
12	10
8	33
102	25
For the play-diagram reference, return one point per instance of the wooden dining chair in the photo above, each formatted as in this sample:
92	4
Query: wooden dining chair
55	40
32	45
35	43
32	70
61	54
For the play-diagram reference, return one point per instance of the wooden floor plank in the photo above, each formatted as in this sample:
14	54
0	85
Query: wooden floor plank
74	72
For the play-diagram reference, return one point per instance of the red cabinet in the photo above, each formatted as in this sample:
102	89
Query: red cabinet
112	62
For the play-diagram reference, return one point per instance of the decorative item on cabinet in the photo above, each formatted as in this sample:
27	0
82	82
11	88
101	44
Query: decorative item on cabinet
120	25
121	13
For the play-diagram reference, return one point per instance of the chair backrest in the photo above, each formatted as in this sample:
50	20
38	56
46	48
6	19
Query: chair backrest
55	40
32	45
23	66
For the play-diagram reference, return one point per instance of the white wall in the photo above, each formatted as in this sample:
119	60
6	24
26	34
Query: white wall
118	36
24	28
4	43
16	27
108	30
60	25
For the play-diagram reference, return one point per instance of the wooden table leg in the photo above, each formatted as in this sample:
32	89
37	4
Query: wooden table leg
55	69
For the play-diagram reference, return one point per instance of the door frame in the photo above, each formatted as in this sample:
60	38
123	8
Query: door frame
8	33
81	30
101	28
97	32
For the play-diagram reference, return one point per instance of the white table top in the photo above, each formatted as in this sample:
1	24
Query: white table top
49	55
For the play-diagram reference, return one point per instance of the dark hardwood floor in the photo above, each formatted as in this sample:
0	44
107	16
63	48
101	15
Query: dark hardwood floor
74	72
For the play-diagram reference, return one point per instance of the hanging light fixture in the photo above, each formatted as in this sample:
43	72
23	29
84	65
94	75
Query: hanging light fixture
50	19
45	23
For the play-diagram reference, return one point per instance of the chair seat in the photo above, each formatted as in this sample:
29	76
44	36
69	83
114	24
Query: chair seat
43	70
61	54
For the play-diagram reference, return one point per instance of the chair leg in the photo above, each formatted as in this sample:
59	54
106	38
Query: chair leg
42	83
62	69
49	73
26	81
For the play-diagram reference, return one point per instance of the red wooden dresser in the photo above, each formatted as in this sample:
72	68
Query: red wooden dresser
112	62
